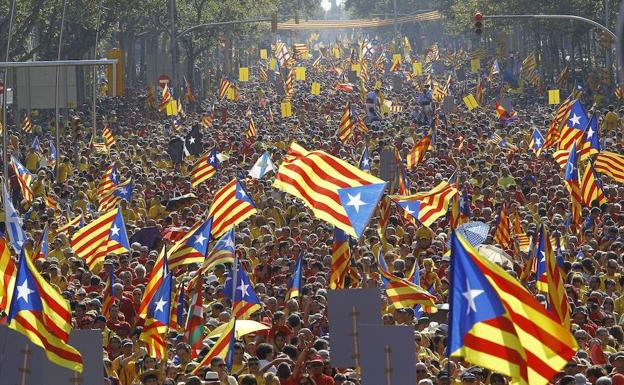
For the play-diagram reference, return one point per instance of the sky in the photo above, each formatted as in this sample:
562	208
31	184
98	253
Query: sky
326	4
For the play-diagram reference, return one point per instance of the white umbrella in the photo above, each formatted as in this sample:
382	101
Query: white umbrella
241	328
496	255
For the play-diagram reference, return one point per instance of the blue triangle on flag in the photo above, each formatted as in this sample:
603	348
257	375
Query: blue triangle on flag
359	203
411	207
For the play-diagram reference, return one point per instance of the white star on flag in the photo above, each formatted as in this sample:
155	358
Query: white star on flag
471	295
192	140
243	288
160	305
590	133
23	291
115	230
356	201
576	120
199	239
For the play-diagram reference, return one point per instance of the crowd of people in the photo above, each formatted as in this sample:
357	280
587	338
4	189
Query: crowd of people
295	349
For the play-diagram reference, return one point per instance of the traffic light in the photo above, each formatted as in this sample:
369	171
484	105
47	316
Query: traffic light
478	23
274	23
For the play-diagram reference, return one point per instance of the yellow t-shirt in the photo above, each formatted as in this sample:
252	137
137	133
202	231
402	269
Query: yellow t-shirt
611	121
32	161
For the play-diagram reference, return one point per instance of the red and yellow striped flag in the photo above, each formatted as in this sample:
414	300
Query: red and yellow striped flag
345	128
231	205
165	99
27	125
251	129
204	168
7	276
418	152
109	138
91	242
502	236
610	164
341	256
591	189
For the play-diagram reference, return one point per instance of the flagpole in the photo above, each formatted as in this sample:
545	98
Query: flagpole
95	82
56	93
234	278
5	127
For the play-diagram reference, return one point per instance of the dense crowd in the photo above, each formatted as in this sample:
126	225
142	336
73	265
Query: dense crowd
295	347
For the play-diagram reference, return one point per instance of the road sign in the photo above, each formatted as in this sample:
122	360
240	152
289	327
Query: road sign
164	80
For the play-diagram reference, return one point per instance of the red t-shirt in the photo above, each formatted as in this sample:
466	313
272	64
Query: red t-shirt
323	379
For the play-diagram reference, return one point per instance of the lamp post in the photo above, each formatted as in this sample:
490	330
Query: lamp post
56	94
5	127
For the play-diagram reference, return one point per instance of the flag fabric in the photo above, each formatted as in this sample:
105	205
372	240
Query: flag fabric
122	191
109	138
204	168
589	144
193	246
341	256
396	64
428	206
109	181
158	314
562	79
289	84
345	128
336	191
24	179
245	302
194	329
591	188
418	152
178	304
8	271
494	322
610	164
301	49
53	155
502	236
519	235
105	235
263	166
549	278
251	129
188	92
36	145
294	284
224	86
39	312
619	92
42	249
77	222
264	75
365	161
27	125
13	222
207	120
574	127
231	205
554	132
221	348
165	99
505	117
149	97
572	184
153	283
537	142
109	293
401	292
223	252
281	53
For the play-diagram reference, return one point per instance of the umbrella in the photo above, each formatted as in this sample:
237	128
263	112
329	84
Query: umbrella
496	255
474	232
180	201
243	327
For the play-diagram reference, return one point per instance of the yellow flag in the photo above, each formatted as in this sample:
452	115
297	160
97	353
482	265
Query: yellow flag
336	53
316	88
286	109
417	69
272	63
231	93
396	57
300	73
475	65
243	74
263	54
172	107
553	96
471	102
378	85
357	68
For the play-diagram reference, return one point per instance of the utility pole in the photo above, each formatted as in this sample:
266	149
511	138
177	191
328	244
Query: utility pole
174	42
95	82
606	23
5	126
56	94
394	5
